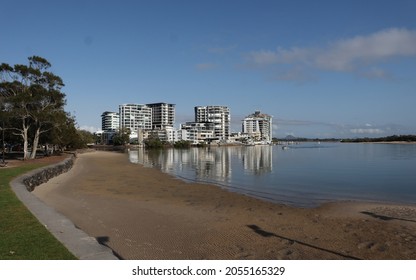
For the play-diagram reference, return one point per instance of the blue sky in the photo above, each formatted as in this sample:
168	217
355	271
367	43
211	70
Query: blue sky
321	68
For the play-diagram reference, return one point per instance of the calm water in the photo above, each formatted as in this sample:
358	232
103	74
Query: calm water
303	175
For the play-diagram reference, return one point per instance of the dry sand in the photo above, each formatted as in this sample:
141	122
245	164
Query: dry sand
142	213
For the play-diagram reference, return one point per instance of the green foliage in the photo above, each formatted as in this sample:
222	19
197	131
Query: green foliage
201	145
31	99
86	137
121	137
22	237
153	143
182	144
392	138
65	135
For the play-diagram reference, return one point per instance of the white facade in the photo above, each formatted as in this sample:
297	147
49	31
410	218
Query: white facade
110	121
258	127
135	117
219	116
198	132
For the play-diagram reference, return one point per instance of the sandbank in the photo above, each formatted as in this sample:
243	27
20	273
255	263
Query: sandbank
142	213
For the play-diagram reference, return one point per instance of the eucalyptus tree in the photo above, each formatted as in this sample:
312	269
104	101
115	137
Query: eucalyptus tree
32	98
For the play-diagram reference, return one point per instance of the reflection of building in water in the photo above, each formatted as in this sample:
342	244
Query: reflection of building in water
258	159
138	156
207	164
213	163
174	159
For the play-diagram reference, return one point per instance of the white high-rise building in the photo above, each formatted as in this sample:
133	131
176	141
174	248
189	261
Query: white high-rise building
110	121
258	126
219	116
163	115
135	117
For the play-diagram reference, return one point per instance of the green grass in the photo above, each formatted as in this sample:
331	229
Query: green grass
22	237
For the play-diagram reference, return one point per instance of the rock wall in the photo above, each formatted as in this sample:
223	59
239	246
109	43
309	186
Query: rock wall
43	175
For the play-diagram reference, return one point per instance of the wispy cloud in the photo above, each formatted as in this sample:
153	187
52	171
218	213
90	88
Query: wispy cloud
205	66
282	126
285	122
222	50
367	131
360	55
376	73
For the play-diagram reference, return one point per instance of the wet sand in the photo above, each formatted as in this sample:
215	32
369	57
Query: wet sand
142	213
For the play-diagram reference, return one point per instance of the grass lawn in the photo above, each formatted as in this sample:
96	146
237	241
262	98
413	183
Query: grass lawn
22	237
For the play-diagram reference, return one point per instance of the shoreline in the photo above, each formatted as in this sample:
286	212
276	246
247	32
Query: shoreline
143	213
383	142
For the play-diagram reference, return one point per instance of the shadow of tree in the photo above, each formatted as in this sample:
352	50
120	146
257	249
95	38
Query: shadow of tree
103	240
385	218
268	234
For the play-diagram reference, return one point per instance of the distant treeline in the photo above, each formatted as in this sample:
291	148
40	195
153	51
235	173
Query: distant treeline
301	139
393	138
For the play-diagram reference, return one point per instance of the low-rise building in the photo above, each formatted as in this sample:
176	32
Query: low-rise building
199	132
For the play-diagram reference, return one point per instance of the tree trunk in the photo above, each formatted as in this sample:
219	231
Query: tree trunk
25	140
35	143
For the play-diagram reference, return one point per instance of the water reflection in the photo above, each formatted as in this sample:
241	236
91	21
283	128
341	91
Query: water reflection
207	163
303	175
258	160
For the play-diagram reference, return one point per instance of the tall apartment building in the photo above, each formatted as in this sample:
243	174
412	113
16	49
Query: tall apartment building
135	117
258	126
110	121
219	115
163	115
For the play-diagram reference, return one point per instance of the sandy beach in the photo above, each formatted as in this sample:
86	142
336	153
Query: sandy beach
142	213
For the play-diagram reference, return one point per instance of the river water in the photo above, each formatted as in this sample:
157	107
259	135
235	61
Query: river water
303	175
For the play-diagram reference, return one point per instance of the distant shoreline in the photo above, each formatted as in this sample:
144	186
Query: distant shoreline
387	142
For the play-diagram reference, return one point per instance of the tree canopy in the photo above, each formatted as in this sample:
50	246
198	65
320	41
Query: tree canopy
32	104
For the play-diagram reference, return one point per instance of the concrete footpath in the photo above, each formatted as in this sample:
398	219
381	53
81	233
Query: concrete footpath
84	247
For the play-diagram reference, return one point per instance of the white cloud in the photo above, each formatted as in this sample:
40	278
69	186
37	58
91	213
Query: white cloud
280	56
355	54
89	128
366	131
376	73
205	66
347	54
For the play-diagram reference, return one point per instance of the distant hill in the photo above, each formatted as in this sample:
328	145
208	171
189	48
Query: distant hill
290	137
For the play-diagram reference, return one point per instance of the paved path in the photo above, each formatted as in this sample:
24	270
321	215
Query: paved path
77	241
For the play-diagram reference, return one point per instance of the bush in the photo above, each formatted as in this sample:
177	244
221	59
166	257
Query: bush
182	144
